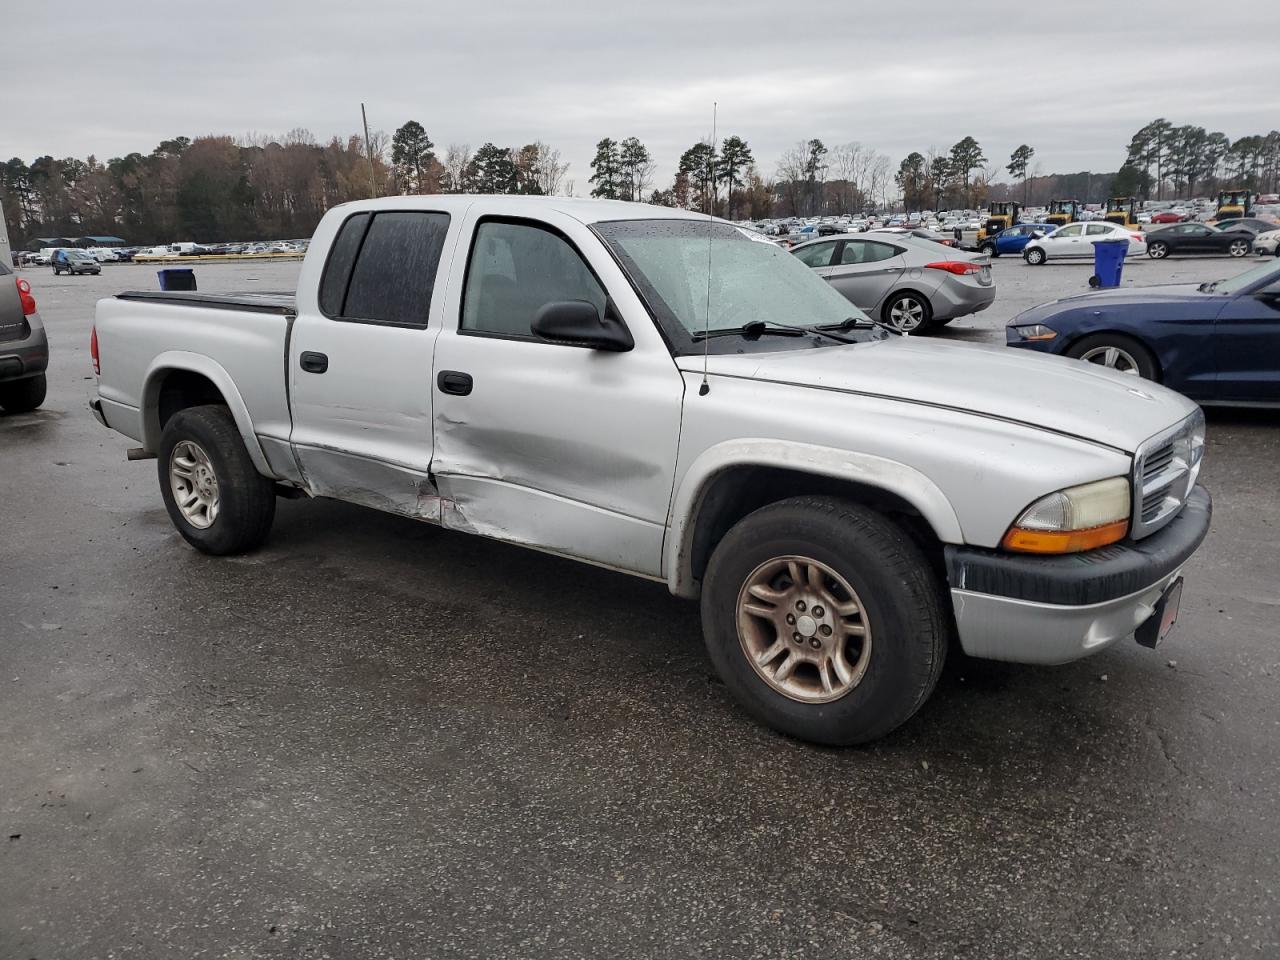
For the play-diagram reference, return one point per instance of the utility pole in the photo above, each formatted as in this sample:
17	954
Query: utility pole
368	149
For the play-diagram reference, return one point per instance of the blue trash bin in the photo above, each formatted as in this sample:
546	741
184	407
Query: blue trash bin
1108	262
177	279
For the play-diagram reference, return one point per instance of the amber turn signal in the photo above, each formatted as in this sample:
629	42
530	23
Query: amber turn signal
1064	541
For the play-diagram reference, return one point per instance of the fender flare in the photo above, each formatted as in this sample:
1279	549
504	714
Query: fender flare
891	476
218	376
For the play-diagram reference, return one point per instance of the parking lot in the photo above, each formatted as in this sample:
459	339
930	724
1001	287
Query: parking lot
376	738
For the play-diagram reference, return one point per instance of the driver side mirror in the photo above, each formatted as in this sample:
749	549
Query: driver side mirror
577	323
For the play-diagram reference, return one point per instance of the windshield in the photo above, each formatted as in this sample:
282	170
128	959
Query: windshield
751	278
1264	271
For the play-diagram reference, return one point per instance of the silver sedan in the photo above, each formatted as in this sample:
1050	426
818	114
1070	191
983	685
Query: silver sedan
914	284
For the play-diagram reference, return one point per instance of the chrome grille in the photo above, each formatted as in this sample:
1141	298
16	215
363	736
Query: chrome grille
1164	471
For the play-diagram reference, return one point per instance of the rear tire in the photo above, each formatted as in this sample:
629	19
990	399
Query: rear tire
243	501
1034	256
23	396
1157	250
908	311
870	575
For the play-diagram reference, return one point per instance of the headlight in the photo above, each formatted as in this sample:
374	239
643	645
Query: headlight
1036	331
1078	518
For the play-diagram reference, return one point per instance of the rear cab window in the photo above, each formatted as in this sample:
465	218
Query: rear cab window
382	267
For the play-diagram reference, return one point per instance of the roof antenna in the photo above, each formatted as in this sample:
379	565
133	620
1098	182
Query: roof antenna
705	388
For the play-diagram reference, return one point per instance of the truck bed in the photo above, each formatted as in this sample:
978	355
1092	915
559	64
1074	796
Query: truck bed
237	341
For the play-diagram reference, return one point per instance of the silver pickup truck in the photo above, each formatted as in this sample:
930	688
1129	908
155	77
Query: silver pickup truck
672	397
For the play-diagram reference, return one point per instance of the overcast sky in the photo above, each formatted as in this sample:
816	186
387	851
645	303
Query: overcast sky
1074	79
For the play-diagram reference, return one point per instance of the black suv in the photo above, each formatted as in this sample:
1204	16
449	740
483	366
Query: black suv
24	349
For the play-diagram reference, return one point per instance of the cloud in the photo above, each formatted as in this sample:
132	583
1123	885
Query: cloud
1074	81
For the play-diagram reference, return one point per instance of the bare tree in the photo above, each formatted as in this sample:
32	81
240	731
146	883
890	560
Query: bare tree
791	176
878	179
549	170
456	160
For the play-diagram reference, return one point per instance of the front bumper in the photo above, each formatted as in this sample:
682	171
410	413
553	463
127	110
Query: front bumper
1028	609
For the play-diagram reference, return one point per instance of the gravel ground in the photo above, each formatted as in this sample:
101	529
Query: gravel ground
375	738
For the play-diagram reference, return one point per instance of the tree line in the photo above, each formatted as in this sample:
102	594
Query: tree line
225	188
1183	160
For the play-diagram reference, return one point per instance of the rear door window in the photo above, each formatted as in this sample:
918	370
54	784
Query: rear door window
394	260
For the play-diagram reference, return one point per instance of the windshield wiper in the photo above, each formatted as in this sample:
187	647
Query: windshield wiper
850	323
753	330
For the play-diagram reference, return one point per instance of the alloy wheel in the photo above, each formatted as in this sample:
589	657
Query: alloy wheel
803	629
906	314
1117	358
194	484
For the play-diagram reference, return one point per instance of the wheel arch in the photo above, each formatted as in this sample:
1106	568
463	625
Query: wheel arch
732	479
177	380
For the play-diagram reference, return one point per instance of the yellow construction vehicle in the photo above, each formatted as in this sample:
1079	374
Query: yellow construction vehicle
1001	214
1062	212
1122	210
1233	204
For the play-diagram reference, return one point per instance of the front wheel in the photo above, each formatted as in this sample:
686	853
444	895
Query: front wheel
990	250
214	495
1034	256
908	312
1238	248
1157	250
1117	352
23	396
824	619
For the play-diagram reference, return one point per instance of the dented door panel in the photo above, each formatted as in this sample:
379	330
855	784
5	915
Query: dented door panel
561	447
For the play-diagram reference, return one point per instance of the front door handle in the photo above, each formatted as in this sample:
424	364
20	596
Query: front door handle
313	362
454	382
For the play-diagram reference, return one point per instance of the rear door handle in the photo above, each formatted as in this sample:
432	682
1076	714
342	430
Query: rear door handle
454	382
313	362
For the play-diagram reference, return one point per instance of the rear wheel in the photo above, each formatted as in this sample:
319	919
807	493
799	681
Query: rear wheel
1238	248
1157	250
1117	352
824	619
21	396
212	491
908	312
1034	256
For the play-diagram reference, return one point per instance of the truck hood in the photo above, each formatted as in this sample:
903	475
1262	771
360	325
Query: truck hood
1050	393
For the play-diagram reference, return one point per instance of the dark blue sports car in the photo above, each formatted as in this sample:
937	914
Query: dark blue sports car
1217	342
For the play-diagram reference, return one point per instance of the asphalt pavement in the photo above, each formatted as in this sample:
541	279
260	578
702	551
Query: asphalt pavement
375	738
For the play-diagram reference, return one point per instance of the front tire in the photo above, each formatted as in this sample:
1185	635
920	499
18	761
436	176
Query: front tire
1034	256
825	620
1157	250
215	496
1238	248
23	396
990	250
1117	352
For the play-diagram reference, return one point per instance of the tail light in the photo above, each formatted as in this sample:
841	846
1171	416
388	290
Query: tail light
1139	237
28	301
93	350
959	267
